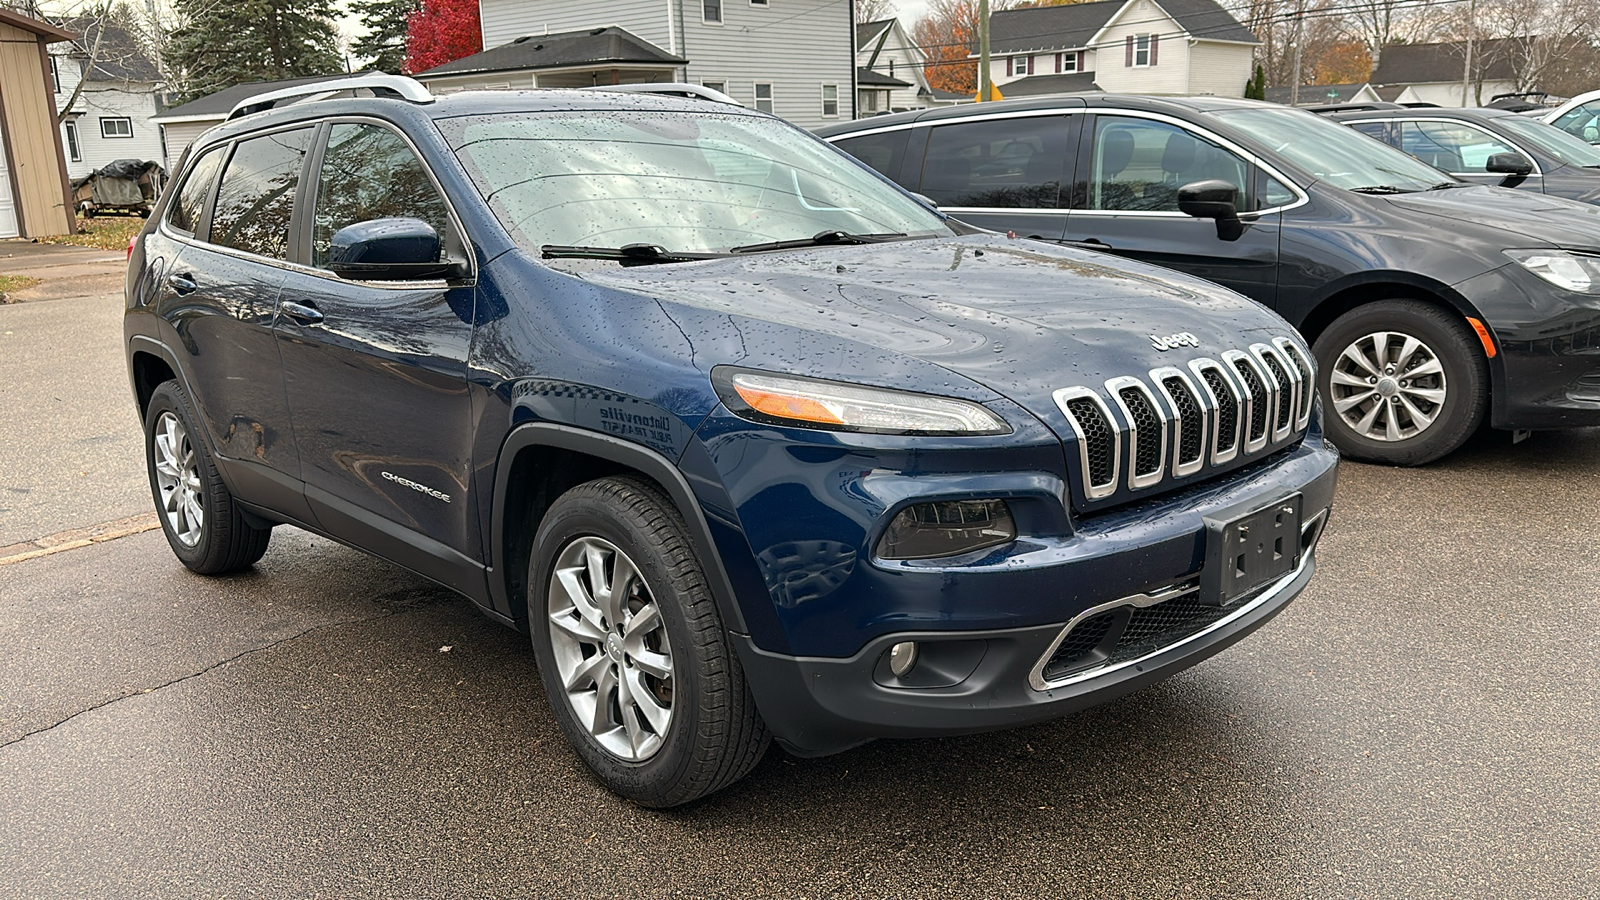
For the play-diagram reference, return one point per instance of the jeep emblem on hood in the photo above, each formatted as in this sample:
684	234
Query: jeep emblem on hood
1181	339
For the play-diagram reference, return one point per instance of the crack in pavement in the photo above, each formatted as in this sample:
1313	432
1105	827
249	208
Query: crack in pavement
211	668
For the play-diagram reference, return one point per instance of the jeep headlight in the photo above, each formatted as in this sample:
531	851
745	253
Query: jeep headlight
1568	271
834	406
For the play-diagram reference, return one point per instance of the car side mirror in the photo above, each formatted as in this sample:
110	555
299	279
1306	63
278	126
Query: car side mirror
394	249
1508	164
926	200
1213	199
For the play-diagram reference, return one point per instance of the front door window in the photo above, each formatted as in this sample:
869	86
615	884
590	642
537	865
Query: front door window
1139	164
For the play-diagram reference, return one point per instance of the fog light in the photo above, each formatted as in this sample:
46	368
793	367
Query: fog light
947	528
903	658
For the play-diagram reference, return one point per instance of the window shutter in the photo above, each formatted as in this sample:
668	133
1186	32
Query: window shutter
1010	65
1058	62
1155	42
1082	59
1127	59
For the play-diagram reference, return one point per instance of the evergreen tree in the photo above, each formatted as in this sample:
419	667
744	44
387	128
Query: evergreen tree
1256	87
222	44
385	41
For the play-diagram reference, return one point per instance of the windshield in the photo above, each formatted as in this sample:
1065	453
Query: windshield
1551	140
686	183
1336	154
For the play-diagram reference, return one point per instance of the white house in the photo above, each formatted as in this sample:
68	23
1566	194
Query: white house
890	72
113	116
184	123
793	58
1133	46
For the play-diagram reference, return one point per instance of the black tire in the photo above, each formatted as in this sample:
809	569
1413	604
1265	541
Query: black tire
222	541
1463	377
714	735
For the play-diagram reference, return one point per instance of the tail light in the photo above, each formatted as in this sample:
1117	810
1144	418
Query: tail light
129	255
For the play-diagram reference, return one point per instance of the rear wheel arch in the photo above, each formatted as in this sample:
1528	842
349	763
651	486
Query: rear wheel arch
149	370
540	461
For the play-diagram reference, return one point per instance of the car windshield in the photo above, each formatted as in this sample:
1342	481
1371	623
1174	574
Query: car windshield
1336	154
683	183
1551	140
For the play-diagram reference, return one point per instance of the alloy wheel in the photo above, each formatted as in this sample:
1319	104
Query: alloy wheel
1387	386
611	649
178	480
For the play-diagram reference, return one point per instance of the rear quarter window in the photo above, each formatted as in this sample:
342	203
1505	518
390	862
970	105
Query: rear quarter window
884	151
190	202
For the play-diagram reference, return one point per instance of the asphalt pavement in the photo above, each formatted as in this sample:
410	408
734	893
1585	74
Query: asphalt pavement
1420	723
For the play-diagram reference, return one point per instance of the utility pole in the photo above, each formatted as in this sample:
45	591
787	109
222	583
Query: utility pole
984	87
1299	24
1466	72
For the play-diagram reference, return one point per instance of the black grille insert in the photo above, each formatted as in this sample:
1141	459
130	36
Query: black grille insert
1097	438
1258	399
1191	422
1227	408
1285	394
1147	448
1130	632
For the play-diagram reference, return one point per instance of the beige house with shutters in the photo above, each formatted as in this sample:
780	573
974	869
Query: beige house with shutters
35	199
1124	46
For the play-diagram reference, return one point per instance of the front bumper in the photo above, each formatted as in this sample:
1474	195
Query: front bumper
1546	373
818	706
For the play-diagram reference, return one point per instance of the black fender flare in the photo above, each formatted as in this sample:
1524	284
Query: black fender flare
613	449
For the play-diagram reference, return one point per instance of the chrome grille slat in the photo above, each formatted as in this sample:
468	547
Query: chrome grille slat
1178	420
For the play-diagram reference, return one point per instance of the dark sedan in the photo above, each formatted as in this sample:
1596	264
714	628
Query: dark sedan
1488	146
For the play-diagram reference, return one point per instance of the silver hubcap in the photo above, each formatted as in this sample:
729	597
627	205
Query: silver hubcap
1387	386
178	480
611	649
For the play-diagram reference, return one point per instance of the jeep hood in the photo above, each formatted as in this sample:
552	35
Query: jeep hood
1021	318
1527	218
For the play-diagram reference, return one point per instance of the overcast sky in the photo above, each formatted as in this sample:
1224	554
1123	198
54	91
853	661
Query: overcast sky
911	10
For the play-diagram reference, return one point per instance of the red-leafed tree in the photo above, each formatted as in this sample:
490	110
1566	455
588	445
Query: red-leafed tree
441	31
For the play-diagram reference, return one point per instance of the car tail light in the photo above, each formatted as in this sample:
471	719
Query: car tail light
129	255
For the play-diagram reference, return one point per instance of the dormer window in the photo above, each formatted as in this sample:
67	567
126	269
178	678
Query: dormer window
1019	65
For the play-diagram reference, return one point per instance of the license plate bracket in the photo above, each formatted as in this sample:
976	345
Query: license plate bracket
1248	546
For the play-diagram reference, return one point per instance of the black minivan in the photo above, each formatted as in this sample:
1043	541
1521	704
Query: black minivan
1432	303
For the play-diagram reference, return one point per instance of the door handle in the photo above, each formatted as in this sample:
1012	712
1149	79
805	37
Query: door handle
182	282
1090	244
304	313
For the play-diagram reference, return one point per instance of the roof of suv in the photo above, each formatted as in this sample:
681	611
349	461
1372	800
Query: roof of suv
1191	104
1430	112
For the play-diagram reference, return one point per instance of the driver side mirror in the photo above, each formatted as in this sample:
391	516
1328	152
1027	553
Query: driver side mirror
1213	199
1508	164
394	249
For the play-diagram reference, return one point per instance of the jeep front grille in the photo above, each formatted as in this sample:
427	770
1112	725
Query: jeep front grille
1179	421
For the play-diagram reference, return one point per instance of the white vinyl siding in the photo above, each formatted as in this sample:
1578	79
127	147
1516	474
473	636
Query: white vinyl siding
506	20
180	135
1217	68
1170	74
134	101
897	59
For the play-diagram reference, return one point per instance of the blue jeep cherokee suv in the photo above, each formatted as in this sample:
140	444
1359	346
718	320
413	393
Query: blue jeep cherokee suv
752	443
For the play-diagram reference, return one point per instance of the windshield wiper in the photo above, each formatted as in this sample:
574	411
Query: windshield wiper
627	254
1447	185
1380	189
819	239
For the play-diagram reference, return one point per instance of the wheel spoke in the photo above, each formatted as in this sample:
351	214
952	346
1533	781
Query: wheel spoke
1391	422
578	597
641	622
1353	353
653	663
1380	349
194	513
1431	395
1430	367
1341	377
605	688
578	628
1345	404
1422	419
1408	348
644	699
586	673
1365	425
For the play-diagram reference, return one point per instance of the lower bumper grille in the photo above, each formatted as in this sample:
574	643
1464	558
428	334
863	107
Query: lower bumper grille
1126	631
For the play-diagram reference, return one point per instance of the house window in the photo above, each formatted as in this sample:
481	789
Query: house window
1066	62
764	97
74	152
1019	65
1143	50
760	3
116	127
830	101
55	74
711	11
719	86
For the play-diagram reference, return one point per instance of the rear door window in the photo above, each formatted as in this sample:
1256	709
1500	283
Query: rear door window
1000	163
190	202
369	172
255	202
884	151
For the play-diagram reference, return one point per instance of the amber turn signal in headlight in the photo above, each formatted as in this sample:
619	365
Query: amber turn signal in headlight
813	403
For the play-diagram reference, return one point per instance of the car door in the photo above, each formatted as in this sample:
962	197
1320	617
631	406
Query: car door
1463	150
1581	121
1005	174
375	371
1130	168
224	263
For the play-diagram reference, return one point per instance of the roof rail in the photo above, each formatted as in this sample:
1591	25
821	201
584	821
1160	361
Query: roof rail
672	88
397	86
